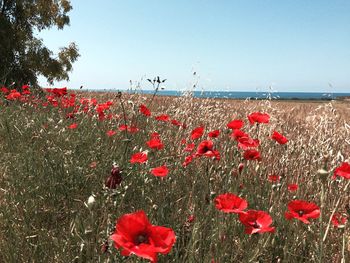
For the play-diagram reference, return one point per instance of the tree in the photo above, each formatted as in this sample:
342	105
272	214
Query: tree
23	57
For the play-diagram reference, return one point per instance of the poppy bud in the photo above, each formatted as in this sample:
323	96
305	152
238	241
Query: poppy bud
190	219
240	167
104	247
114	179
323	174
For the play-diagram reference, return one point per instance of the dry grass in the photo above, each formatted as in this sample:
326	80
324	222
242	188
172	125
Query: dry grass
46	179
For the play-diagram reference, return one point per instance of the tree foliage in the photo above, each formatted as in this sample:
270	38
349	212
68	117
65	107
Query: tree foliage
23	57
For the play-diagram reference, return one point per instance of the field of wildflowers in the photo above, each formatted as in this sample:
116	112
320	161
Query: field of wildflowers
132	178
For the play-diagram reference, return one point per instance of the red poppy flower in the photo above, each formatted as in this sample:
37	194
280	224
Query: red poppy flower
187	161
206	148
4	90
110	133
189	147
131	129
339	220
13	95
258	117
135	235
26	92
155	143
144	110
230	203
160	171
292	187
58	92
343	171
256	222
139	157
163	117
114	179
279	138
274	178
237	134
302	210
247	142
176	122
252	155
123	127
235	124
197	133
73	126
214	134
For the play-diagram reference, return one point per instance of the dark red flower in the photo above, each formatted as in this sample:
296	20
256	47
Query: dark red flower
235	124
302	210
214	134
104	247
256	222
144	110
240	167
258	117
190	219
230	203
339	220
134	234
163	117
252	155
279	138
160	171
292	187
343	171
140	157
114	179
197	133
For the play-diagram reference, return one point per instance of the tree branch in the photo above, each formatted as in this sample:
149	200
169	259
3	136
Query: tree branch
3	6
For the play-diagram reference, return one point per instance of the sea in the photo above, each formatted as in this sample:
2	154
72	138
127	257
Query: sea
250	94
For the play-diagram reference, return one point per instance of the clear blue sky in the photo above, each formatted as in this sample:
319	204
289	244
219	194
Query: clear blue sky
295	45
